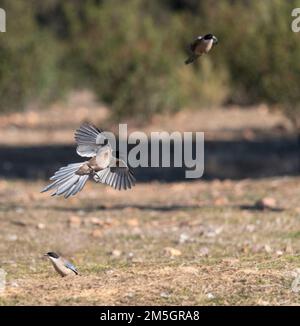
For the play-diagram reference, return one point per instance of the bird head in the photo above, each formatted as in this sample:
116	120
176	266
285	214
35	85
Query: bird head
52	255
210	37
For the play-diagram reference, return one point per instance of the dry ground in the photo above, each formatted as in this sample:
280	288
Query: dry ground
56	125
178	243
186	243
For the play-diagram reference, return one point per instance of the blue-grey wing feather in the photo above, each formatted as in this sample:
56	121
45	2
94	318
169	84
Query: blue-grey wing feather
71	266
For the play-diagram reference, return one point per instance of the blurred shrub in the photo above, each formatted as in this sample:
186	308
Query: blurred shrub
206	85
260	52
131	53
133	57
29	59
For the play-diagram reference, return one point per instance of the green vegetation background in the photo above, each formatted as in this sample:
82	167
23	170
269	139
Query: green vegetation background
131	53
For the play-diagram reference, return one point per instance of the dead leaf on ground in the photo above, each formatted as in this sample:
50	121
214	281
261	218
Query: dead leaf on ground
266	203
96	233
172	252
74	221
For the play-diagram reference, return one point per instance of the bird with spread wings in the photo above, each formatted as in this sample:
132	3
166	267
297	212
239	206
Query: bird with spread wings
102	166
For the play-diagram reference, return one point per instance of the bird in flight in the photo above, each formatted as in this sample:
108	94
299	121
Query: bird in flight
102	166
61	265
201	45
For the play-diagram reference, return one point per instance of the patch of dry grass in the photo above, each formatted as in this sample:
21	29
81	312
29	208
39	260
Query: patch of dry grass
221	249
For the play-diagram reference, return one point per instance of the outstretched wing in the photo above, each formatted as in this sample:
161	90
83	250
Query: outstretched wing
71	267
118	176
89	139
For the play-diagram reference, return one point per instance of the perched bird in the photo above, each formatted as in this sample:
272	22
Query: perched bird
61	265
201	45
102	166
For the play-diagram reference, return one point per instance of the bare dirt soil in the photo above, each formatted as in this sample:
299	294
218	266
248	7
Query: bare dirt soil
202	242
188	243
56	125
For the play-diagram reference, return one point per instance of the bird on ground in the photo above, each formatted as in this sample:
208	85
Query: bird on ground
201	45
102	166
61	265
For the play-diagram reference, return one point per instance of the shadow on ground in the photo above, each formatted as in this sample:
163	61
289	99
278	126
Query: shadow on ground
223	159
158	208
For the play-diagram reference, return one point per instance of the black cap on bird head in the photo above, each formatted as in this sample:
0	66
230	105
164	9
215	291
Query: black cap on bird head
52	254
210	37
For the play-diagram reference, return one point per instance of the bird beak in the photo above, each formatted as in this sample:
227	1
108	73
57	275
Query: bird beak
215	40
45	255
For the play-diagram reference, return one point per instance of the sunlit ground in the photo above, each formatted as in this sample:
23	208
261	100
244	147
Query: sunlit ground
202	242
187	243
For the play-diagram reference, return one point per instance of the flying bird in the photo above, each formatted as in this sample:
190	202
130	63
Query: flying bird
201	45
102	166
61	265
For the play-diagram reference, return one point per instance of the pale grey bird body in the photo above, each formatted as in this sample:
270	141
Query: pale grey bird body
201	45
102	166
61	265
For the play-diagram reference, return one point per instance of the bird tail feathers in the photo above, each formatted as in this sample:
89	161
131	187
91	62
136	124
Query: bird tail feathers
190	59
66	182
